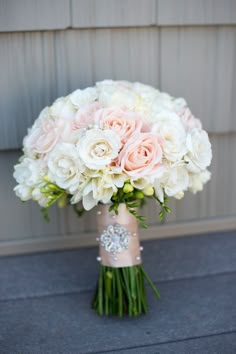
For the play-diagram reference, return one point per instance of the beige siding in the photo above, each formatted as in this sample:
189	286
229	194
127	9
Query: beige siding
187	48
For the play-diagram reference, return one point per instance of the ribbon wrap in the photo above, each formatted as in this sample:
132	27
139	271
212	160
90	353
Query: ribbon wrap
119	242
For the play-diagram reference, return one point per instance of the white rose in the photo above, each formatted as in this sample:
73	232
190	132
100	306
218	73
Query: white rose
173	134
97	148
199	153
65	166
196	181
82	98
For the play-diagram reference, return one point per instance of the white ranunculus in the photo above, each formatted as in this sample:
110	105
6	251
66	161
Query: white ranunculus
65	167
82	98
174	136
197	181
199	153
97	148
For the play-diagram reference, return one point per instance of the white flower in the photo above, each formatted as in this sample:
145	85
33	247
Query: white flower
99	189
81	98
97	148
62	108
29	174
23	192
116	95
29	171
173	134
197	180
179	104
65	167
199	153
174	181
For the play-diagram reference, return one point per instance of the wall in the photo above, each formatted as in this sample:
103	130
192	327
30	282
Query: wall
50	48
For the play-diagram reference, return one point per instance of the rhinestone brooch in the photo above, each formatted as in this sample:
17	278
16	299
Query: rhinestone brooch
115	238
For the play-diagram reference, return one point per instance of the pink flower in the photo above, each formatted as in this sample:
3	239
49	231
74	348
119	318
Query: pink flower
85	116
188	120
142	155
122	122
44	137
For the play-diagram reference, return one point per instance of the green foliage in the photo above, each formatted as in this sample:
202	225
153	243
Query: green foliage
134	199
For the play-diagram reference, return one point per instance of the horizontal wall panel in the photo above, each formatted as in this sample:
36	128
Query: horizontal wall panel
218	200
198	63
41	66
113	13
196	12
31	15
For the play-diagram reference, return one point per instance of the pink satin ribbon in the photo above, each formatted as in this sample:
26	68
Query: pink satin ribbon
127	257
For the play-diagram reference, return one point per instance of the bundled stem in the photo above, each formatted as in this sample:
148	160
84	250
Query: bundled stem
121	291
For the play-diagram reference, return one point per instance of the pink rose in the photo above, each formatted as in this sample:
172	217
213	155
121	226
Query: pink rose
85	116
44	137
123	122
188	120
141	155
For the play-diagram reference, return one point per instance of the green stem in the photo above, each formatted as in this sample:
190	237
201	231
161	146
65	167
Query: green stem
122	291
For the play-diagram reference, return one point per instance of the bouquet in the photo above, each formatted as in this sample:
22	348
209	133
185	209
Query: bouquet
114	146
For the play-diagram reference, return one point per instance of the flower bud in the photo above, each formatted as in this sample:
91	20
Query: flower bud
139	195
128	188
148	190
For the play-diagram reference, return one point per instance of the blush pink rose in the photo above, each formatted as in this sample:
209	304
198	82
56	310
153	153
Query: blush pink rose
122	122
85	116
188	120
142	155
44	137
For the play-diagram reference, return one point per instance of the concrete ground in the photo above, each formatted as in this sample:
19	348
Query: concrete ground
45	301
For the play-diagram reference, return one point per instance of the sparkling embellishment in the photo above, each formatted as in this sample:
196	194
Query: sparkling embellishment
99	212
115	238
134	234
141	248
138	258
99	259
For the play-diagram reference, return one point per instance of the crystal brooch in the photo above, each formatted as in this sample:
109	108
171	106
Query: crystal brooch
115	238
